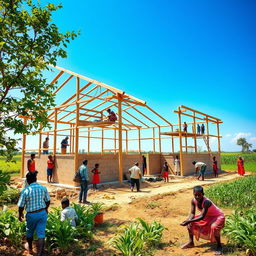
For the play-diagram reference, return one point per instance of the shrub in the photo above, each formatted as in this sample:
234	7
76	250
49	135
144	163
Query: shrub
10	196
59	233
139	238
240	228
11	228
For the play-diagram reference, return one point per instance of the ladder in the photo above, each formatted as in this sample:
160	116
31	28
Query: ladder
170	163
206	140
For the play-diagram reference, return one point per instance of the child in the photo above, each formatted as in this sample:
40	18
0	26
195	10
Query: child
68	212
208	224
50	166
199	167
215	167
165	172
96	176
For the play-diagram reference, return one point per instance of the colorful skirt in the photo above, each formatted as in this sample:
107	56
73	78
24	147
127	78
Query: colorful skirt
207	228
165	174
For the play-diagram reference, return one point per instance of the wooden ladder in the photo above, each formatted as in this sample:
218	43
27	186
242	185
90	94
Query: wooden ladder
170	163
206	140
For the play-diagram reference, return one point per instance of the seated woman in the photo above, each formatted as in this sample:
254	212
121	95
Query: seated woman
111	115
208	224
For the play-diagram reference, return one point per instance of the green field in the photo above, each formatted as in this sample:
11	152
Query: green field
13	167
228	161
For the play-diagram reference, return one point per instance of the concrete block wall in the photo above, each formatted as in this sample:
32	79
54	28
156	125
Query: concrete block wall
202	157
154	164
65	166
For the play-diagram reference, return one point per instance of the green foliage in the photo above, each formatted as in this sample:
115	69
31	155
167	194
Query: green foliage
240	228
11	228
229	161
59	233
29	42
245	145
239	193
139	238
10	196
4	181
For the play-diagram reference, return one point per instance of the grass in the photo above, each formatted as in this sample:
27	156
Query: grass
12	167
240	193
228	161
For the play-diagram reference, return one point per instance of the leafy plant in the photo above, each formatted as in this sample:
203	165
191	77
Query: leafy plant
139	238
240	228
152	233
59	233
10	196
11	228
85	221
131	242
4	181
239	193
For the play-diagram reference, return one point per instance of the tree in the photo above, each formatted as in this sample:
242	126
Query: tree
245	145
29	42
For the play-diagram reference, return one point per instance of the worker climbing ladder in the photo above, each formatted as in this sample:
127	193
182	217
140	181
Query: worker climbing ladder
207	143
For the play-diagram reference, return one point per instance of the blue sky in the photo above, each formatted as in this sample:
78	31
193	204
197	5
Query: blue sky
201	54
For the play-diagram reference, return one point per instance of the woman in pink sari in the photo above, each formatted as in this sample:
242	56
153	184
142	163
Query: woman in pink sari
240	166
208	224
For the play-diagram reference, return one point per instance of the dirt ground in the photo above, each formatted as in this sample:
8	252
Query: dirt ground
167	203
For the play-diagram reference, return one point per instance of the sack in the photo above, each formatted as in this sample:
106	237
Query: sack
77	177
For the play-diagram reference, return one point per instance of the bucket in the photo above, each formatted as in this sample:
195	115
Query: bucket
98	219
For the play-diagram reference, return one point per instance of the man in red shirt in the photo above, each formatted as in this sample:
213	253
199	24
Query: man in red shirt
111	115
31	164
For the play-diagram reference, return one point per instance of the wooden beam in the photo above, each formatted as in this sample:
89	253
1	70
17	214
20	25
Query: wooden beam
159	137
180	138
55	131
120	146
90	80
182	106
126	142
158	115
139	140
23	150
154	141
77	122
66	81
102	141
146	116
40	141
172	141
89	138
195	131
218	134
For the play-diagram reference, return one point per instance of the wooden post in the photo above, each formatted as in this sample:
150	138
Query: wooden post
127	142
115	140
102	141
218	133
24	137
172	141
186	144
154	141
207	132
70	135
139	141
77	121
159	137
89	135
195	132
180	138
40	142
55	131
120	149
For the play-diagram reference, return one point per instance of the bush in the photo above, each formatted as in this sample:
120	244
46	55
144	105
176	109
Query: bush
10	196
4	181
240	228
11	228
139	238
59	234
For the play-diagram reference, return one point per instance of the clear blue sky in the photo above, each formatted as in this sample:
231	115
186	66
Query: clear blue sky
197	53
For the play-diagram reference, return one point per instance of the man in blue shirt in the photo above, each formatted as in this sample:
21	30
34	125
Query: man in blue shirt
35	198
64	144
84	183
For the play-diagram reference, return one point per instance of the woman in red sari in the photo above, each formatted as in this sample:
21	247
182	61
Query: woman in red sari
240	166
206	225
